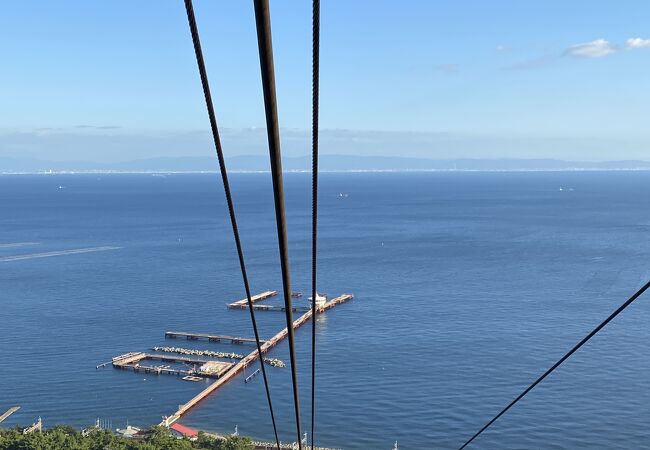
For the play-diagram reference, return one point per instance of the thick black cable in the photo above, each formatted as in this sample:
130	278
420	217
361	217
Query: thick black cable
226	186
314	197
264	41
620	309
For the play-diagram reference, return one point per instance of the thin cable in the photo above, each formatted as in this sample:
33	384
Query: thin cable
314	198
226	186
264	41
560	361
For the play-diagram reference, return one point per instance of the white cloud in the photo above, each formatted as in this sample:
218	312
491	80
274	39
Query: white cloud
637	43
593	49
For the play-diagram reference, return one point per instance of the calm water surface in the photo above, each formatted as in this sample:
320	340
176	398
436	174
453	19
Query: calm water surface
467	286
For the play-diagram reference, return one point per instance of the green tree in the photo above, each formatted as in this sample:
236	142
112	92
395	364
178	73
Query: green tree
161	438
236	443
66	438
206	442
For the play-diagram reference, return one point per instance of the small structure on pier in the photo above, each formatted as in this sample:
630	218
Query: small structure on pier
320	300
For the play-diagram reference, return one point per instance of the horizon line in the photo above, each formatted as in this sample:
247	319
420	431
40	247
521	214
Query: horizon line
306	171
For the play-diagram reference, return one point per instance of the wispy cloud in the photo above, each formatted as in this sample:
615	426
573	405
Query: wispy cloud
98	127
598	48
534	63
593	49
637	43
447	69
41	129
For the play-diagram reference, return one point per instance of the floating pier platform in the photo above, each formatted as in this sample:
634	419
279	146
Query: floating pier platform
243	304
251	358
336	301
8	412
206	368
36	426
209	337
278	308
251	376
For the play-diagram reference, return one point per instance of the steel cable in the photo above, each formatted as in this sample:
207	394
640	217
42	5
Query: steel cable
226	186
620	309
314	198
265	45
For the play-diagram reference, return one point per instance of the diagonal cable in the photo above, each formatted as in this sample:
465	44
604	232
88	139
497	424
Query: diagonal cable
620	309
226	186
314	198
265	45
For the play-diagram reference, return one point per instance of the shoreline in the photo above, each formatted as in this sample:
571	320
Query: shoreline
307	171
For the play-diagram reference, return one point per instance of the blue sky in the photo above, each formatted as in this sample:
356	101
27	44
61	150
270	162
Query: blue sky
117	80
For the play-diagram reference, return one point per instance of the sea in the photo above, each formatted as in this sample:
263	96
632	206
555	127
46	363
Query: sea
467	286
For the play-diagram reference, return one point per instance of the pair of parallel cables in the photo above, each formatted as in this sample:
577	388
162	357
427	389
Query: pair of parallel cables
263	25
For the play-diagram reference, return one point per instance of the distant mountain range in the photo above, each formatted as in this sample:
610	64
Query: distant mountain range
331	163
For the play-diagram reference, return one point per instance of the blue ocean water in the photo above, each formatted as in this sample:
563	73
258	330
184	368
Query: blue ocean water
467	286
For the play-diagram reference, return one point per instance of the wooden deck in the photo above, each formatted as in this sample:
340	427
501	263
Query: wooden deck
279	308
36	426
133	361
209	337
337	301
249	359
243	304
8	412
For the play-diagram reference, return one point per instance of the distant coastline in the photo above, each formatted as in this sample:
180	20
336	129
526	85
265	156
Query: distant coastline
198	172
328	163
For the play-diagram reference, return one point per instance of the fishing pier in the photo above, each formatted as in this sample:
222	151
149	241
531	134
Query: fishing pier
9	412
209	337
243	303
197	367
251	358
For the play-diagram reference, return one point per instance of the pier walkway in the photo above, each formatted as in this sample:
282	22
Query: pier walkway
243	304
36	426
209	337
279	308
207	368
8	412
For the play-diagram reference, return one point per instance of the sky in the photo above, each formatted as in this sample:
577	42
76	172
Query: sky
113	81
